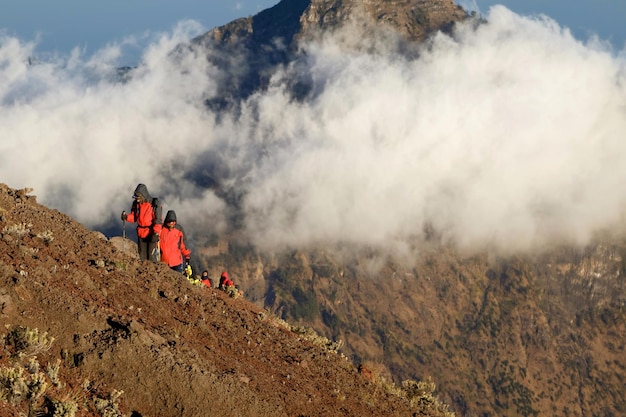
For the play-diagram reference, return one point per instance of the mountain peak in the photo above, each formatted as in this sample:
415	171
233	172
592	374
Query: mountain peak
289	19
414	19
249	49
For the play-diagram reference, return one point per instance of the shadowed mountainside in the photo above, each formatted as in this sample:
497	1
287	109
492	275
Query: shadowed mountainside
531	335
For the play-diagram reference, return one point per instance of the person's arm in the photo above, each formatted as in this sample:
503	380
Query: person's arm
132	216
183	249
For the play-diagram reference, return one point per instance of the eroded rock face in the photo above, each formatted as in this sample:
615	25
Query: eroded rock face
250	49
290	19
414	19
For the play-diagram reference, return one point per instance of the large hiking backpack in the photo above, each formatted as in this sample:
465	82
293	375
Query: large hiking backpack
157	207
158	210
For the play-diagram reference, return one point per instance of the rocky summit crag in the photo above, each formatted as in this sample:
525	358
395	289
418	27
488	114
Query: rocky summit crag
250	49
296	19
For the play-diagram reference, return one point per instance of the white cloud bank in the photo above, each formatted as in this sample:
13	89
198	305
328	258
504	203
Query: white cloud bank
509	136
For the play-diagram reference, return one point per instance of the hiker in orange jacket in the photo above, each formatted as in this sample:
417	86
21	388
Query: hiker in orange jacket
148	223
225	281
204	278
173	250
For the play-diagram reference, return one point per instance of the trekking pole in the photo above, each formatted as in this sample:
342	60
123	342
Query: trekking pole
156	252
124	236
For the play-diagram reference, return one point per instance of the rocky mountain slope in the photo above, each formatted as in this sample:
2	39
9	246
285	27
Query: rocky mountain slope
89	330
532	335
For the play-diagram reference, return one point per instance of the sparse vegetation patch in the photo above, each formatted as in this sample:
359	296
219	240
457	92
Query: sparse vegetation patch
25	387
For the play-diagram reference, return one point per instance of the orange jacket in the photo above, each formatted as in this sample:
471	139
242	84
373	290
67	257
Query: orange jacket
205	279
173	247
225	281
143	214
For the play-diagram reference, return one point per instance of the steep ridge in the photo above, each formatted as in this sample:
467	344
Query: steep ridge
170	348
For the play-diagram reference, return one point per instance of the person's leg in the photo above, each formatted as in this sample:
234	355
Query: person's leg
152	250
141	248
178	268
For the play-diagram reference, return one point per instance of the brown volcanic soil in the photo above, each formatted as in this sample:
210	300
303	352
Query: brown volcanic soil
173	348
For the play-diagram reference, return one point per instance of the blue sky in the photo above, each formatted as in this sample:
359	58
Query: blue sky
65	24
90	25
606	18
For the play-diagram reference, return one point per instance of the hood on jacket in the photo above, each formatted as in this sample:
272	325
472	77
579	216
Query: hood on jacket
142	191
170	216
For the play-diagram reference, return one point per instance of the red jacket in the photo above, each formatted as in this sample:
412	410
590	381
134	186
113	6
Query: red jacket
205	279
173	247
225	281
143	214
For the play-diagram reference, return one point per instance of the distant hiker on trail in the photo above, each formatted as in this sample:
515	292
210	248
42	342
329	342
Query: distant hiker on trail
204	278
228	286
173	250
189	273
225	281
148	223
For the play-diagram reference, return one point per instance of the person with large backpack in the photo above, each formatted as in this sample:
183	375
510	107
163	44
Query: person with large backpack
146	212
173	250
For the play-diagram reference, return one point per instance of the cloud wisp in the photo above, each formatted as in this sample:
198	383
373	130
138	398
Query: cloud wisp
507	136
